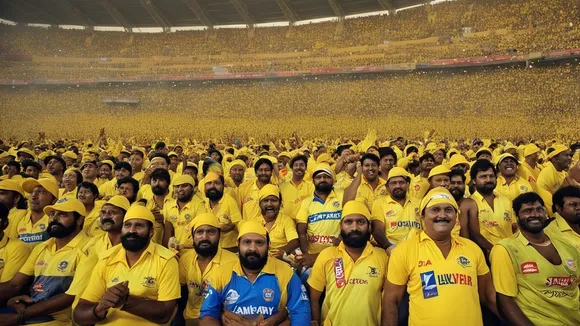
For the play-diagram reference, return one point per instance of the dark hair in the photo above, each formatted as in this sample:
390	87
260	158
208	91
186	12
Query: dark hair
386	151
161	173
413	165
160	145
526	198
4	211
213	150
138	153
560	194
14	164
458	172
79	176
426	156
263	161
481	166
27	163
480	152
135	185
163	156
123	165
229	150
187	167
411	149
370	156
297	158
89	185
443	150
242	157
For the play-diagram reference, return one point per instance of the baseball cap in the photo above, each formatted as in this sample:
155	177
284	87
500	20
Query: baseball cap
66	205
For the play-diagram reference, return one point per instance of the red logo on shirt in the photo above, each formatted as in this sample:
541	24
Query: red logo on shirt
339	273
530	267
561	281
424	263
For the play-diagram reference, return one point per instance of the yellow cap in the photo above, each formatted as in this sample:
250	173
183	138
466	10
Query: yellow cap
269	190
436	196
354	207
240	163
139	212
506	155
48	184
481	150
181	179
211	176
66	205
26	151
457	159
12	185
531	149
251	226
157	158
323	168
70	170
170	154
109	163
439	169
557	150
119	201
397	172
70	154
284	154
509	146
204	219
324	158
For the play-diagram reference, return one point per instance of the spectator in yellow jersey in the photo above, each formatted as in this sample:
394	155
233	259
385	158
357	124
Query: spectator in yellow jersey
31	229
295	190
536	275
179	213
509	183
489	216
110	223
530	169
281	228
420	184
196	266
551	178
124	289
224	207
439	177
70	181
12	196
388	161
13	252
49	271
248	191
352	273
88	193
136	160
237	170
394	216
121	170
158	195
367	186
90	172
106	171
437	269
566	202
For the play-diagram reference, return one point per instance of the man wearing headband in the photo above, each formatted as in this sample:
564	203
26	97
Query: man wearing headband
255	287
195	266
438	269
50	270
281	228
353	274
135	283
318	220
110	224
367	186
225	208
237	170
536	275
394	216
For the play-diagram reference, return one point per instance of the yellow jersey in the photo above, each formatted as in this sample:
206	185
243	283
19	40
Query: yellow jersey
281	232
32	234
559	228
367	195
180	218
226	210
419	187
13	254
248	193
93	216
322	219
494	224
517	187
14	217
550	179
293	195
147	194
399	220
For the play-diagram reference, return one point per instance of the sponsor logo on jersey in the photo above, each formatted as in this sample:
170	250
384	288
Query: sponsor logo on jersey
561	281
339	273
571	264
268	294
253	310
529	267
62	266
232	297
423	263
373	272
463	261
148	281
429	285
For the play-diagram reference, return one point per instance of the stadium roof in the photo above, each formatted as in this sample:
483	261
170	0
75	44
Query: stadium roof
176	13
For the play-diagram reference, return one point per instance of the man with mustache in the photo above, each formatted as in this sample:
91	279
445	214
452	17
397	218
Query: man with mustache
318	220
110	223
566	201
509	183
157	194
206	259
251	289
367	186
489	216
135	283
225	208
438	268
353	273
50	270
31	229
179	213
248	191
536	276
281	228
295	190
394	216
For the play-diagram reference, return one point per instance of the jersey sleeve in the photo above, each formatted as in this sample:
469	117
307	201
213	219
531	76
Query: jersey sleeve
169	288
502	272
17	254
317	278
377	212
28	267
398	271
298	304
184	263
212	302
290	229
97	285
302	216
234	212
82	274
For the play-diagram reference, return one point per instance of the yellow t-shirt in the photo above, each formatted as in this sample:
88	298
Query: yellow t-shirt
109	188
190	275
517	187
343	180
62	193
559	228
53	273
435	283
547	294
529	173
225	210
99	244
93	216
353	289
281	232
322	219
32	234
147	194
292	196
494	224
398	220
180	218
13	254
419	187
366	195
550	179
248	193
153	277
14	217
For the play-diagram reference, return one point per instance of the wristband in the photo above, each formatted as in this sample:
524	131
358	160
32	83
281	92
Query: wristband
99	318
